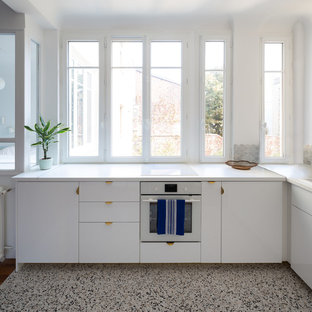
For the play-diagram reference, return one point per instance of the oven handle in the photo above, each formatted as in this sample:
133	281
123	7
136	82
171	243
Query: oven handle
155	200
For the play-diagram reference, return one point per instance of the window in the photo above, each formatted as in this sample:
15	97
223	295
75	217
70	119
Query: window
166	76
273	101
83	98
126	98
137	84
7	101
213	100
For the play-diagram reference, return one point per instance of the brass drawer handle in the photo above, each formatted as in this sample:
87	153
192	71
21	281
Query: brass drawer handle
108	182
77	190
222	190
108	223
108	203
211	182
170	243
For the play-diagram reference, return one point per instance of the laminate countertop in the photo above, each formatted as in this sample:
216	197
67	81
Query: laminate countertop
149	172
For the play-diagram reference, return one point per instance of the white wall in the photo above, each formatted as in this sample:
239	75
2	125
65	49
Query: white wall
308	83
50	83
246	83
298	94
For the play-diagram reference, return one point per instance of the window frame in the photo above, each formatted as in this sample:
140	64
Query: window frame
286	100
105	43
18	139
64	152
227	138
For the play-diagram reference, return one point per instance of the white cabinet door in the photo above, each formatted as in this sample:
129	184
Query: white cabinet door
108	243
47	222
301	234
252	222
211	222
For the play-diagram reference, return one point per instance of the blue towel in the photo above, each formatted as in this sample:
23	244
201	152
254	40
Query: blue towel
161	216
180	216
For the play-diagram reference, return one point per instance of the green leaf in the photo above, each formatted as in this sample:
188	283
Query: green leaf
38	129
54	128
42	122
28	128
37	143
47	126
62	131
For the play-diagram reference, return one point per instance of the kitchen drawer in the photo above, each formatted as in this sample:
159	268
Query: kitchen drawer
109	211
165	253
109	191
301	199
114	243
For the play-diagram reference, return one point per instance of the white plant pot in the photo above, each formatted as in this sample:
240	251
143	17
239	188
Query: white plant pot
45	164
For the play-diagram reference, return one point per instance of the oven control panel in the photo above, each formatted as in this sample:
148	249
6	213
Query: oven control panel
189	188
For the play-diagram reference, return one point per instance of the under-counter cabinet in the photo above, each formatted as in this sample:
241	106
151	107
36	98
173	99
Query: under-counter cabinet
109	222
211	222
47	222
251	222
301	233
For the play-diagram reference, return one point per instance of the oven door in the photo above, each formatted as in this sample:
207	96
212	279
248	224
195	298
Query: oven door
191	223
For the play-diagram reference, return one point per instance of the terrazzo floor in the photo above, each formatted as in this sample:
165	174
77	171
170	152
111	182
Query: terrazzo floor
158	287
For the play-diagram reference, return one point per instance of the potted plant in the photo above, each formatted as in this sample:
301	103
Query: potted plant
46	135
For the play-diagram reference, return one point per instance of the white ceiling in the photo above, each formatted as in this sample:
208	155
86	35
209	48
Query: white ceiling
90	13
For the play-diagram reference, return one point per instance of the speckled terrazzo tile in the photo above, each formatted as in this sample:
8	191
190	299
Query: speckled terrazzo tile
159	287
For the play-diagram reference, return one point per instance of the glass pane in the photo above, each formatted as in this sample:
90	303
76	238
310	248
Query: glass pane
34	88
83	93
166	54
273	114
83	54
126	112
7	86
214	113
7	156
214	55
273	56
127	54
166	112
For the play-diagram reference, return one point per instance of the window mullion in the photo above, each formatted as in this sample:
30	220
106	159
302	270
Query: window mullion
146	99
103	87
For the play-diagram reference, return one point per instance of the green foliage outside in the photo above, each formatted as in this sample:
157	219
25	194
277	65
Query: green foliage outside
214	103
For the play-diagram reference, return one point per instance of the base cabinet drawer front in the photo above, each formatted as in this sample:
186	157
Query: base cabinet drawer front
301	244
109	191
112	243
109	211
301	199
166	253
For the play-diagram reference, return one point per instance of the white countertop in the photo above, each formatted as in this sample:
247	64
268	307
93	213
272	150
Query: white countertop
300	175
147	172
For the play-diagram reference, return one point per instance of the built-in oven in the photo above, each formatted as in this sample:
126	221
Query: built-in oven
153	192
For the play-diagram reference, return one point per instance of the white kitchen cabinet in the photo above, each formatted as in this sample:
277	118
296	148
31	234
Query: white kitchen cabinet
109	211
211	222
177	252
301	234
252	222
109	191
109	222
47	222
108	243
